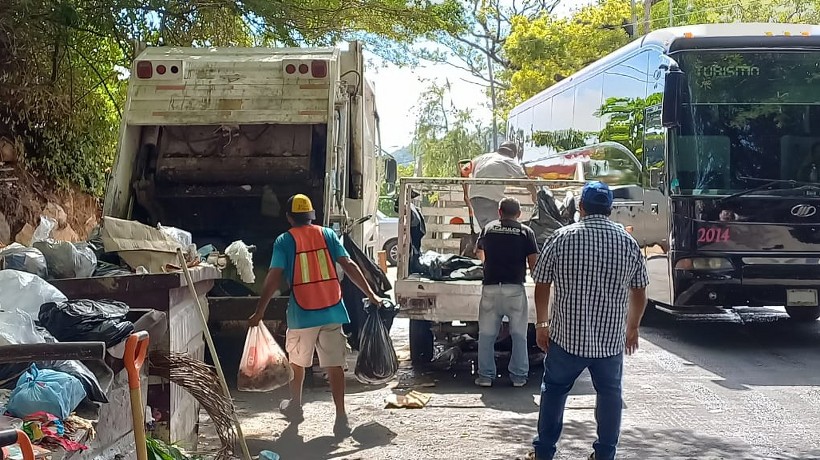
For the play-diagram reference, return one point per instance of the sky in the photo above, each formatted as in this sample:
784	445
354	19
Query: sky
398	90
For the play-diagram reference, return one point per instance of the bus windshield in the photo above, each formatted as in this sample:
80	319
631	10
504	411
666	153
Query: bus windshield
746	116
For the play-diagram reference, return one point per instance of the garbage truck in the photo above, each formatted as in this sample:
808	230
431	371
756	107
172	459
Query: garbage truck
215	140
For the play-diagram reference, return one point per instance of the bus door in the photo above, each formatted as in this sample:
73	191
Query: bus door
656	208
616	165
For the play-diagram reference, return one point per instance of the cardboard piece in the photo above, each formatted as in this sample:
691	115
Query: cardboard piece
138	244
412	400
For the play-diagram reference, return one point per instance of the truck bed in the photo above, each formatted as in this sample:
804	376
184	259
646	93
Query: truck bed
461	299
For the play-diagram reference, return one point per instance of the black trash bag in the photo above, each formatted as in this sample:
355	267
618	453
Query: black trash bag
106	269
547	218
468	274
87	321
377	362
439	267
352	295
374	275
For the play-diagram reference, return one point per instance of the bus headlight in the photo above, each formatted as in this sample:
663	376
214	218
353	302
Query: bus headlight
704	263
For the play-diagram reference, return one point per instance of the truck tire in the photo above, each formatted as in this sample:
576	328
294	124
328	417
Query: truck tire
803	314
391	248
421	341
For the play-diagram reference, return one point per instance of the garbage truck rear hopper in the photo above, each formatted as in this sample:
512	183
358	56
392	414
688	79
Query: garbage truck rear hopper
215	140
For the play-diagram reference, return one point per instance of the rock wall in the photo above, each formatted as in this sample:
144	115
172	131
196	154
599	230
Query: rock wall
24	198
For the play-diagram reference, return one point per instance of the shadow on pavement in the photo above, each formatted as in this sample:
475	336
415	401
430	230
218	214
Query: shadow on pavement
774	351
290	445
642	443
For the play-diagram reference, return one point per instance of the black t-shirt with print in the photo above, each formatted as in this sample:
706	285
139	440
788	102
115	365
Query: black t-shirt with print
506	245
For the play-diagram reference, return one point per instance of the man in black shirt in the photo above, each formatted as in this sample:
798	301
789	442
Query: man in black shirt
506	246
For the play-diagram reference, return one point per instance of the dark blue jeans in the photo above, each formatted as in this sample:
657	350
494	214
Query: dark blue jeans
561	369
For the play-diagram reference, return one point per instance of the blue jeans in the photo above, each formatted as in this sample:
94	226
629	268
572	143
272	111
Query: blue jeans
561	369
498	301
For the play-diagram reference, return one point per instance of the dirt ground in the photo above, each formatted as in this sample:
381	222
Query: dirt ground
458	414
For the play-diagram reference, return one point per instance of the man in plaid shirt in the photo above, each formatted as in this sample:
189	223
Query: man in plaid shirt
600	283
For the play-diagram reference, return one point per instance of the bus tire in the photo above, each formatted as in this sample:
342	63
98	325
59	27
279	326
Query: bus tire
652	316
421	341
803	314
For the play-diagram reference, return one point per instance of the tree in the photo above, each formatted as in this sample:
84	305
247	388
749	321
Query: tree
444	134
485	26
686	12
61	93
544	50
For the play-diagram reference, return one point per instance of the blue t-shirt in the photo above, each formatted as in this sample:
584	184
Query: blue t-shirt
284	257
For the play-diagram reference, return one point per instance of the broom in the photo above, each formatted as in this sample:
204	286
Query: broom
202	382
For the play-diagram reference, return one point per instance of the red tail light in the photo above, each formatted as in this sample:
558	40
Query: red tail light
318	69
290	69
303	68
161	69
145	69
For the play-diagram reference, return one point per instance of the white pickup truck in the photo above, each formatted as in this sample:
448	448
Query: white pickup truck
446	309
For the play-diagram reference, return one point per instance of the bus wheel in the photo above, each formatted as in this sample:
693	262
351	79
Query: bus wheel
803	314
421	341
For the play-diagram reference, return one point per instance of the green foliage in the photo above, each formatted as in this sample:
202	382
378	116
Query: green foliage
566	139
159	450
626	121
445	134
546	49
388	196
61	94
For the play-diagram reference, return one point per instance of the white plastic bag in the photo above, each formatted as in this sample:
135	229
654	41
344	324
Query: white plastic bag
68	260
242	259
19	257
264	366
17	327
26	292
182	237
43	231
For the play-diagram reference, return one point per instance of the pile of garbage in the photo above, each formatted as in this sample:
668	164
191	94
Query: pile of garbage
44	397
117	247
46	394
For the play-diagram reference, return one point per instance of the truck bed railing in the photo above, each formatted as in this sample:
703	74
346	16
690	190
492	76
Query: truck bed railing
442	200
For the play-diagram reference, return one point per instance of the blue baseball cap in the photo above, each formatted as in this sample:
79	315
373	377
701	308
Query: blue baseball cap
596	198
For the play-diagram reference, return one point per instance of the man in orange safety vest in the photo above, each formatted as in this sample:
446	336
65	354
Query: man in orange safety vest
306	257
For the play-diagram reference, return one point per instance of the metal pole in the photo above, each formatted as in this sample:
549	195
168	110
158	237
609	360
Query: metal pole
647	16
492	95
633	18
671	13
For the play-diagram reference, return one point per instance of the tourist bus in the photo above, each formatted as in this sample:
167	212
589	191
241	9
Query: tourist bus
710	138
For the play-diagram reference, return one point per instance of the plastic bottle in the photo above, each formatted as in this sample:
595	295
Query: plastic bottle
268	455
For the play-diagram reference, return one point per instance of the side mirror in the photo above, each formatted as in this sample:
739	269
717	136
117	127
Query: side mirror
391	171
670	115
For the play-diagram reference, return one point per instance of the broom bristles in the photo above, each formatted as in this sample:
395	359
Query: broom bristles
202	382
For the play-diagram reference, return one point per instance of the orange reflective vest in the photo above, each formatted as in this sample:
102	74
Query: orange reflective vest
315	285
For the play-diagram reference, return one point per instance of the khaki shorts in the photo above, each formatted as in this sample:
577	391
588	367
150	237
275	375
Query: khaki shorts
328	341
